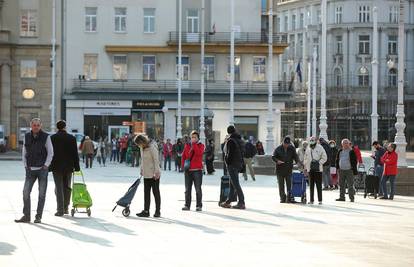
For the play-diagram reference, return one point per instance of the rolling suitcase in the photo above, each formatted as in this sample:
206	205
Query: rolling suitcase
299	186
225	190
371	184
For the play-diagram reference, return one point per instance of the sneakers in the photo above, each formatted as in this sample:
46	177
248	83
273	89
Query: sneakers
143	213
199	209
185	208
340	199
23	219
239	207
225	205
38	219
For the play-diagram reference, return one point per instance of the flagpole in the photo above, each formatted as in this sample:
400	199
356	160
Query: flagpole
231	122
308	114
315	56
180	70
203	69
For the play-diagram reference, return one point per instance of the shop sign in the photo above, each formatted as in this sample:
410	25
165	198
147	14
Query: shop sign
144	104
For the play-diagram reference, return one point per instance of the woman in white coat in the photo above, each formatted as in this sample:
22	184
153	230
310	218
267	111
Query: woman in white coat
315	157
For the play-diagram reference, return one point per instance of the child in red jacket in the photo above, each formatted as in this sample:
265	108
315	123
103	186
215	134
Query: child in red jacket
390	160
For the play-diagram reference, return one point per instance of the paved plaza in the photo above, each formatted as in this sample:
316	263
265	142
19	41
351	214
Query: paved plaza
365	233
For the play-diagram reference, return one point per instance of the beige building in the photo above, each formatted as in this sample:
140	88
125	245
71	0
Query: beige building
25	52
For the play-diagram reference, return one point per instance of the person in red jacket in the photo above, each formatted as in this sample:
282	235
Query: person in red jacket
193	151
358	154
167	150
390	160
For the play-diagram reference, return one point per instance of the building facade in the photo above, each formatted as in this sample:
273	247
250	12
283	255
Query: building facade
25	51
349	68
120	67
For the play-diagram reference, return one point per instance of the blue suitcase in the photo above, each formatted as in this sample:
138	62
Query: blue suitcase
299	186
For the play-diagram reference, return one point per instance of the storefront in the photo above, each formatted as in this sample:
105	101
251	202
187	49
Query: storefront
151	113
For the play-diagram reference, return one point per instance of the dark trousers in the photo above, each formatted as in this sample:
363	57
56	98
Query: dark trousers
235	184
195	177
123	155
134	159
62	189
315	178
31	177
210	166
178	163
346	179
167	159
281	180
89	160
153	184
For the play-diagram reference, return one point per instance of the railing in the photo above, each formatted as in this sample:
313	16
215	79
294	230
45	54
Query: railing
170	86
224	37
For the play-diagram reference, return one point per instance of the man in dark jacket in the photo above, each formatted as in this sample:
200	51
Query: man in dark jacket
326	174
378	165
233	150
283	156
65	161
37	155
249	153
346	164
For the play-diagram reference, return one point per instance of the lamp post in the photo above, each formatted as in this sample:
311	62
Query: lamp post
308	95
323	126
53	63
374	114
315	57
180	71
231	122
400	140
203	69
270	137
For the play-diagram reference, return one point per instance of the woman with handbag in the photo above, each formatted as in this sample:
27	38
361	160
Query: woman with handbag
151	172
315	157
192	164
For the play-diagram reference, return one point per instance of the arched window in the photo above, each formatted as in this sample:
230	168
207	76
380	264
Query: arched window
392	77
363	76
338	77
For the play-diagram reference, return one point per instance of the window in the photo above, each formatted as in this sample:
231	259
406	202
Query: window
392	45
90	66
318	15
28	23
364	44
247	126
120	67
293	22
394	14
364	14
236	68
120	19
302	21
148	63
264	6
338	47
149	20
278	26
28	69
338	14
185	63
286	23
192	20
338	77
259	69
209	64
90	19
392	78
363	76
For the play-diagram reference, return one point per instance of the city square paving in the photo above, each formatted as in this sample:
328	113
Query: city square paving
368	232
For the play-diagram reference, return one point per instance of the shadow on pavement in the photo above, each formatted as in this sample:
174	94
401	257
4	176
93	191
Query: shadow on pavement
100	225
6	248
82	237
239	219
281	215
349	210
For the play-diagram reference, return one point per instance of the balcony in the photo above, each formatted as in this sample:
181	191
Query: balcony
164	87
224	38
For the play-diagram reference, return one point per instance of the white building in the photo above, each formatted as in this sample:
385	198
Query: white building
120	62
349	56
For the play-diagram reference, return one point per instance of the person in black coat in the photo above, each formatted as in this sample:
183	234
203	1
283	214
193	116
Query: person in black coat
283	156
210	157
65	161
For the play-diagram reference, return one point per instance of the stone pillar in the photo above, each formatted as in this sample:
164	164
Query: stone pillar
5	96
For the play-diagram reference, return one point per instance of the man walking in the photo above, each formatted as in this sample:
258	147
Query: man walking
283	156
346	163
88	150
167	151
37	155
250	152
65	161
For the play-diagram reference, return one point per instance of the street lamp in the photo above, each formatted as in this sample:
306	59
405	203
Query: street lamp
53	62
180	71
270	137
374	114
231	122
323	126
203	69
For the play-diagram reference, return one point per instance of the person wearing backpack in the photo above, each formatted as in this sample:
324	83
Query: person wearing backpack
250	152
283	156
233	157
192	164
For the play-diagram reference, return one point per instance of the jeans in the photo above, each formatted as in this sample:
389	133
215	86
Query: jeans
379	170
178	163
155	185
101	159
31	177
384	180
167	159
315	178
326	176
195	177
346	177
62	189
248	162
281	180
235	184
89	160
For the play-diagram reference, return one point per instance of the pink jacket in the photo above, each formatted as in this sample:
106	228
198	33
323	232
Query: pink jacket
167	150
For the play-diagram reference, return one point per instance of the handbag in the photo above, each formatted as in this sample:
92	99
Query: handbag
333	170
314	165
187	162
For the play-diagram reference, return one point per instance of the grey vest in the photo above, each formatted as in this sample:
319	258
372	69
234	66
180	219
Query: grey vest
36	152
